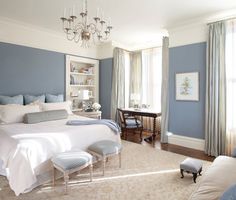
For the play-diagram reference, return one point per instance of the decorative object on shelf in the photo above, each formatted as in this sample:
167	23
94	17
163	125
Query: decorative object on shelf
90	94
87	106
187	86
84	32
72	68
89	81
96	106
83	94
72	80
74	94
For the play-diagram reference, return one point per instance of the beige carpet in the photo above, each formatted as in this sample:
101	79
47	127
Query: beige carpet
146	173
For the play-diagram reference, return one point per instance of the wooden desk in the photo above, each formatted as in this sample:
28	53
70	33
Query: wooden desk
145	113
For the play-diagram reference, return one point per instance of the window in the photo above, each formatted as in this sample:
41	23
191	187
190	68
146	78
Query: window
230	61
143	72
151	78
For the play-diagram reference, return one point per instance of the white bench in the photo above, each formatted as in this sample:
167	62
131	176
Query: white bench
104	149
70	162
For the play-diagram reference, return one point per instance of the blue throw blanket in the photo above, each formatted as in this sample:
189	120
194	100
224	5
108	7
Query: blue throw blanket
110	123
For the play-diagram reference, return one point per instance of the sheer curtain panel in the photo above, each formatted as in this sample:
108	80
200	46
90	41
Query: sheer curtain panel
230	57
165	90
215	124
118	81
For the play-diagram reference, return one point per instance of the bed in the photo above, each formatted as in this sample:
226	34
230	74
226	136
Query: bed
26	149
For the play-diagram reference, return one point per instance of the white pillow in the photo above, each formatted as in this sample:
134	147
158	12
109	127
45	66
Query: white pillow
13	113
58	106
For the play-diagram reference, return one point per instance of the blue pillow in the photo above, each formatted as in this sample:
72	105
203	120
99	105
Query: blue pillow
4	100
229	194
30	99
54	98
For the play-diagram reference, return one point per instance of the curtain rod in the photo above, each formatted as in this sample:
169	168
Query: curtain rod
230	18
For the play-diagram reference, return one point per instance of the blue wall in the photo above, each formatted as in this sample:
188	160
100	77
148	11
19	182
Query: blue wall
25	70
105	84
185	117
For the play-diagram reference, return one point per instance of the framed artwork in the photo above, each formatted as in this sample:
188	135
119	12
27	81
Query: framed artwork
187	86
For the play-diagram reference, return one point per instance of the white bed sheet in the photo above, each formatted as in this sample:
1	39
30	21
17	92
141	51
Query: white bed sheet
25	149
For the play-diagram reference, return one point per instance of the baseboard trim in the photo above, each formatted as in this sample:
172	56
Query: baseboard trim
184	141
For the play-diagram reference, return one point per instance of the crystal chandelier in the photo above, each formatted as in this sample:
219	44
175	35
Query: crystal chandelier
84	32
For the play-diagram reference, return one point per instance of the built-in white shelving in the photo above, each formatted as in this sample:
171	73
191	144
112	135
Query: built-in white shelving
82	84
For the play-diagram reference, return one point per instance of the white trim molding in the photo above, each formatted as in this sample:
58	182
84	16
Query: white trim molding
19	33
188	34
188	142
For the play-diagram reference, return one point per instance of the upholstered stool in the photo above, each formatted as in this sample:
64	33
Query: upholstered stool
191	165
104	149
70	162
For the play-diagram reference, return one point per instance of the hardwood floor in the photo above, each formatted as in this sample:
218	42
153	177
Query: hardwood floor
171	147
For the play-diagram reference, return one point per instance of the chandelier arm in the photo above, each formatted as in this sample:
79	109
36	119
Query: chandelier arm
70	35
80	25
77	37
92	28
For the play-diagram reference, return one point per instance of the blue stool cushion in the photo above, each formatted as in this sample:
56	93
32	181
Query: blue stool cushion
72	159
191	165
105	147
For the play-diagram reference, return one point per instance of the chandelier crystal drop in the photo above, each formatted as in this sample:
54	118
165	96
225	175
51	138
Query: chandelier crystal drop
84	32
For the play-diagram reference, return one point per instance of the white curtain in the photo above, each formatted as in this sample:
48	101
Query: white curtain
165	90
230	56
215	133
119	81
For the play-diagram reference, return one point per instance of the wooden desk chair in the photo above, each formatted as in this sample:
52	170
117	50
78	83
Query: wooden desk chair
129	123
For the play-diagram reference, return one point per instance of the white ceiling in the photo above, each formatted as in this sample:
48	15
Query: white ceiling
135	21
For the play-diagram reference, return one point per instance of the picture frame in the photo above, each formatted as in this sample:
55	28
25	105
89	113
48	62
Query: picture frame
187	86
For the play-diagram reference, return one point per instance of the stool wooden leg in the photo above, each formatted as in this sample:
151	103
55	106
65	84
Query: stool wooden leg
200	171
194	177
53	176
66	178
181	171
104	164
91	172
120	159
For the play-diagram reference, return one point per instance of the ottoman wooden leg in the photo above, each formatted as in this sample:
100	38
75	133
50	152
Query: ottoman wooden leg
104	165
181	171
120	159
66	178
200	171
91	172
194	177
53	174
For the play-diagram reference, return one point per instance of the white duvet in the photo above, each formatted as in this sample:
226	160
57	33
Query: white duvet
25	149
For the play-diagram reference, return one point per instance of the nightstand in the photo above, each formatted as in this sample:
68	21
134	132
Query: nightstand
94	114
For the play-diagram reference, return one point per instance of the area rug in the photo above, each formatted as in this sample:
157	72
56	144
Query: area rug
146	173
